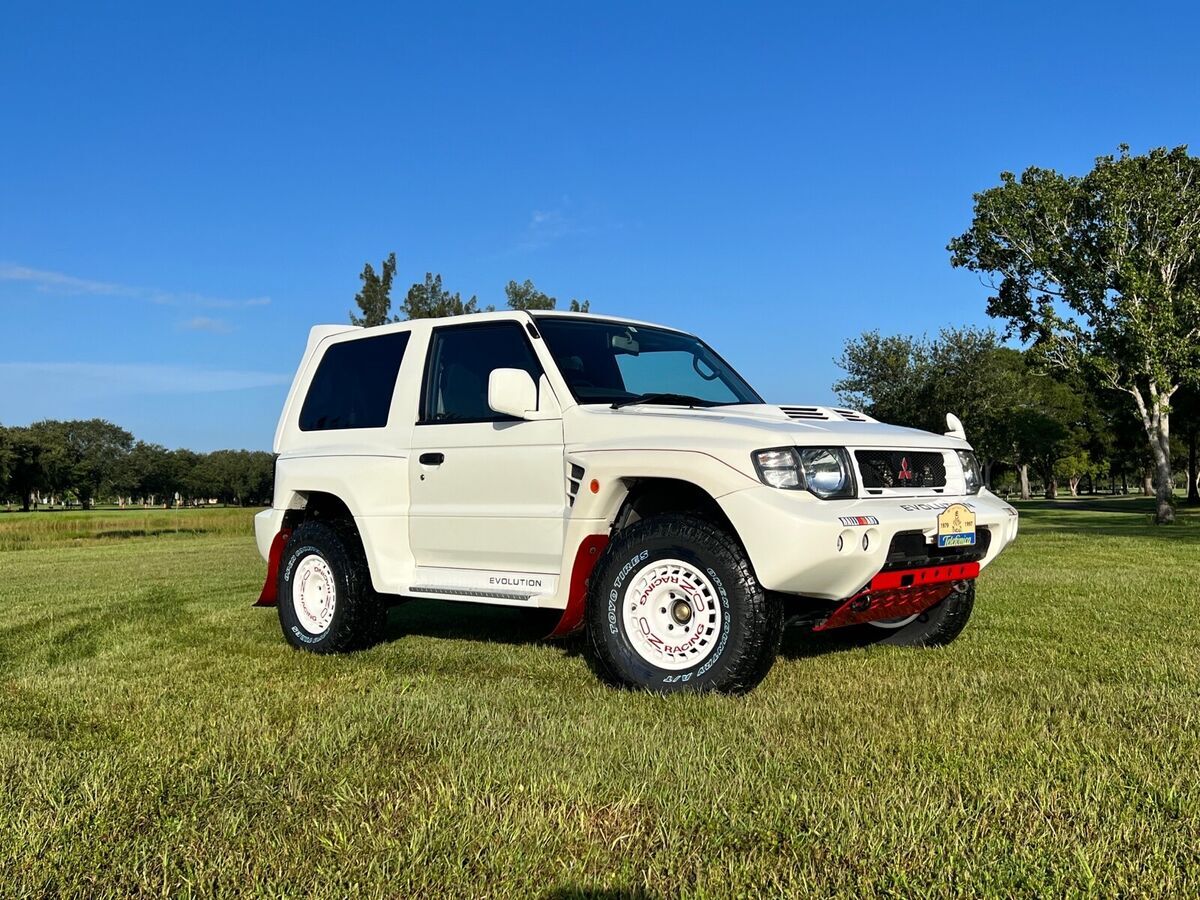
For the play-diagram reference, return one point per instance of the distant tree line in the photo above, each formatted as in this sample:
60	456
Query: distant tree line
90	461
429	299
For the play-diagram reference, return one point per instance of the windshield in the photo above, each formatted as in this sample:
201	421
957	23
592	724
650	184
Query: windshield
610	362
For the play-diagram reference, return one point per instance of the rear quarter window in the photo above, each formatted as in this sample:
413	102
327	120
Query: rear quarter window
354	383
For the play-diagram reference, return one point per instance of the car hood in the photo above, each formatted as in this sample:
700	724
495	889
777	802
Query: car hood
739	428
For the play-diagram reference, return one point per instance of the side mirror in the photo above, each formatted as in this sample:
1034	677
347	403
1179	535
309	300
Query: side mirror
511	392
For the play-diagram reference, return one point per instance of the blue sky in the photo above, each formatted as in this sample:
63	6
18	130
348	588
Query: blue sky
185	190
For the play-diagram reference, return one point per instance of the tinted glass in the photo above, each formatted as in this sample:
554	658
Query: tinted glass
354	384
608	362
462	358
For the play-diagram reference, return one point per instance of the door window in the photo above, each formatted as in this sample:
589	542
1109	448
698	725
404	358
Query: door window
461	359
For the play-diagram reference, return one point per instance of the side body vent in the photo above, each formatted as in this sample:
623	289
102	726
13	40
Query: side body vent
805	412
574	480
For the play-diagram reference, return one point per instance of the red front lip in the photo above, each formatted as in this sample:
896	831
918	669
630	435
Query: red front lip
905	592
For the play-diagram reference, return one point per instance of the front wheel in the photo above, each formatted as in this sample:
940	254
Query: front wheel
674	606
935	627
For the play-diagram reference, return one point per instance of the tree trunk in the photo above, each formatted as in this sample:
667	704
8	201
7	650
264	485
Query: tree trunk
987	473
1147	483
1051	487
1193	494
1156	419
1023	470
1073	481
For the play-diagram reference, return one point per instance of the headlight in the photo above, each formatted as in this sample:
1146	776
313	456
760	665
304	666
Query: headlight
823	471
972	474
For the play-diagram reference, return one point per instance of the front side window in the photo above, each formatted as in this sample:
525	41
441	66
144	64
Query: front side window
354	384
611	362
461	360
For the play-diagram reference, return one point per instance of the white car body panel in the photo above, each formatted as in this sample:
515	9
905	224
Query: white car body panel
500	520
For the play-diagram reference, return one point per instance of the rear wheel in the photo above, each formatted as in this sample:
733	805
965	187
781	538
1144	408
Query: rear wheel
326	602
674	605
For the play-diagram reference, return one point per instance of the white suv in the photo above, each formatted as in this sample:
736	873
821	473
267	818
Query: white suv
620	472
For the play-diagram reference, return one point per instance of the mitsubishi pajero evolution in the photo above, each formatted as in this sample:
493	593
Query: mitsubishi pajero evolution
622	473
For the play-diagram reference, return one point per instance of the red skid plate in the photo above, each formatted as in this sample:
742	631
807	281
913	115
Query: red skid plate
892	595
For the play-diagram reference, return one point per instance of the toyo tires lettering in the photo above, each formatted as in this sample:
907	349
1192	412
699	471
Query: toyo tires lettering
614	599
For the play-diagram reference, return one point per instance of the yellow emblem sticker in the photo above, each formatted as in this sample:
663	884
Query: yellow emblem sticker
956	526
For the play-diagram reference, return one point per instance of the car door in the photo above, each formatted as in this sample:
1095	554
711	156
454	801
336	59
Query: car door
487	491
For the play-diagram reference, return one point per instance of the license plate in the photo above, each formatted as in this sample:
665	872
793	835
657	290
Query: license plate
956	526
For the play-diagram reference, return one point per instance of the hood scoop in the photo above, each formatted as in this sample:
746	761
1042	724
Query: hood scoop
824	414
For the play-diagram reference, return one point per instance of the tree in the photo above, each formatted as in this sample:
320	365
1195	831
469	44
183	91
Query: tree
27	471
1187	405
429	300
1102	273
375	299
84	456
526	296
915	381
7	457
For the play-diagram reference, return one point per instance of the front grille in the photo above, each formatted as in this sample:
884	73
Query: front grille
897	469
910	550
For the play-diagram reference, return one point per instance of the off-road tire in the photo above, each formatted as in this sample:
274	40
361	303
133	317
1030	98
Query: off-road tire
359	613
935	627
751	621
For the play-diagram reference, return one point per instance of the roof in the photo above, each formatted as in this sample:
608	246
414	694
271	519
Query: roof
502	315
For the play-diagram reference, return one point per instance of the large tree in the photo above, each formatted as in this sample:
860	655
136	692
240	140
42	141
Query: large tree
429	300
526	296
85	456
915	381
1102	273
375	299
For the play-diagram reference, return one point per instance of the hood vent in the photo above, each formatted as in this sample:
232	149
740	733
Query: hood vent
824	414
851	415
805	412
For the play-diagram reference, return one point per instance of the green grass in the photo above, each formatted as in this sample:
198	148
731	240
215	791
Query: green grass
29	531
158	737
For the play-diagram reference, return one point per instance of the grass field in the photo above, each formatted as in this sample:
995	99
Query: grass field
158	737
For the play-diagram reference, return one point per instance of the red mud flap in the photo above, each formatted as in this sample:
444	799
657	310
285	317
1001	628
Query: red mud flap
892	595
586	556
271	585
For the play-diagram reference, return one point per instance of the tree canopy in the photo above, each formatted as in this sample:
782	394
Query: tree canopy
526	296
375	299
1102	273
429	300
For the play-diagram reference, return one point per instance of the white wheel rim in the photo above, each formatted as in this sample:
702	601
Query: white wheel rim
314	594
894	623
672	615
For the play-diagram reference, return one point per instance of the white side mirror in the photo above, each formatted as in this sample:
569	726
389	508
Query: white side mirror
511	392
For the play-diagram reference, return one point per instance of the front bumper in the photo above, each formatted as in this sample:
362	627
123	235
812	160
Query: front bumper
267	524
792	537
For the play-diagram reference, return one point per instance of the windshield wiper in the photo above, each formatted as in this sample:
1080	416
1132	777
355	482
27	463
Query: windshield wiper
665	400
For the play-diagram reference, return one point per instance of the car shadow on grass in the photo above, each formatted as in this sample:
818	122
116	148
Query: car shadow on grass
476	622
511	625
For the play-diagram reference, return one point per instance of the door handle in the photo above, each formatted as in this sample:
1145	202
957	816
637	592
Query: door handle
432	459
